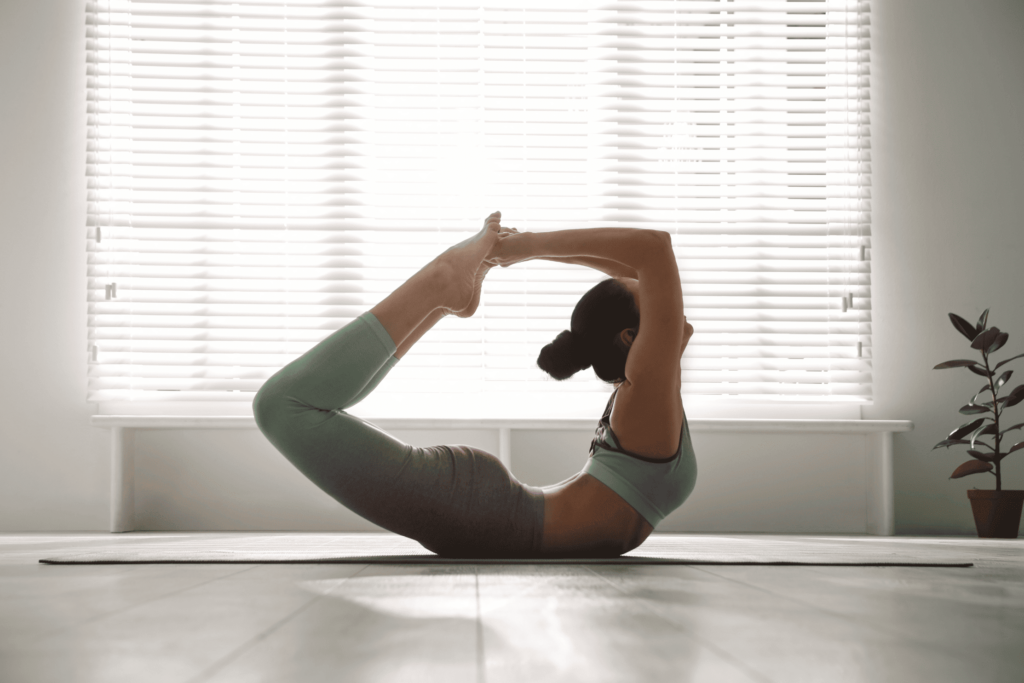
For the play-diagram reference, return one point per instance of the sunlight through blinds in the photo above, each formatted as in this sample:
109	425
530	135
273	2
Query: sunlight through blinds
262	172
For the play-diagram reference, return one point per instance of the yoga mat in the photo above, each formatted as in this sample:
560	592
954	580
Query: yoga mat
390	549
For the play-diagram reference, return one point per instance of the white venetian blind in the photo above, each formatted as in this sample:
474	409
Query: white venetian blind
262	172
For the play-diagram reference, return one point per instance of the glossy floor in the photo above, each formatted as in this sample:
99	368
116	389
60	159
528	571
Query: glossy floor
311	623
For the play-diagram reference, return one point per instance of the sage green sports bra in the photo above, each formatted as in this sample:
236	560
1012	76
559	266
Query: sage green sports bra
654	488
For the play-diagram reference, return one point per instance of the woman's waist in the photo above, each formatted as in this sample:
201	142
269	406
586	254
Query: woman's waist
588	511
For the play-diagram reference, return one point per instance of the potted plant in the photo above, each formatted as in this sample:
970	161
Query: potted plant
996	512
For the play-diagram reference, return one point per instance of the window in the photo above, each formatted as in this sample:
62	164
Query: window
262	172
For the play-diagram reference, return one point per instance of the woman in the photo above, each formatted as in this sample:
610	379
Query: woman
460	501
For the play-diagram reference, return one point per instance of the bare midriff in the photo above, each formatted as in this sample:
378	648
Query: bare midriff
584	517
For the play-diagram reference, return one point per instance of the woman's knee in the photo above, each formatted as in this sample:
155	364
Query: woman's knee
268	406
260	405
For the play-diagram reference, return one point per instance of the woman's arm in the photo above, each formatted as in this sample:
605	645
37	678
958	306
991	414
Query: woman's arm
632	249
606	266
648	412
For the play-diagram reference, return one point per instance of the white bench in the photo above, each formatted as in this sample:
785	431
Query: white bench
880	519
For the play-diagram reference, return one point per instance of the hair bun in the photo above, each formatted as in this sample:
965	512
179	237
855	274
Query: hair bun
563	357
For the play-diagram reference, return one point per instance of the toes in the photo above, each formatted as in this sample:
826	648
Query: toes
493	222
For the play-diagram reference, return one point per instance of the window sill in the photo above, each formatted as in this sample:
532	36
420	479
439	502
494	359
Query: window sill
880	515
697	424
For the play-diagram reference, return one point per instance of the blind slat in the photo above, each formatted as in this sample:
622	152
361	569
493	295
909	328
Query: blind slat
260	173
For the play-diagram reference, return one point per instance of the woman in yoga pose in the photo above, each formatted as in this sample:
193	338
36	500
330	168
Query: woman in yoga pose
459	501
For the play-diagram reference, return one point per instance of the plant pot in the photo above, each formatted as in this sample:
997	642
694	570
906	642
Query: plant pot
996	513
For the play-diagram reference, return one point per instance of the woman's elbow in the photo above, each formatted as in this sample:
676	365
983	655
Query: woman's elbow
659	241
659	250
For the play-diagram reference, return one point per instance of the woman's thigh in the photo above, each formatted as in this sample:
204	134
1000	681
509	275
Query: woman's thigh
455	500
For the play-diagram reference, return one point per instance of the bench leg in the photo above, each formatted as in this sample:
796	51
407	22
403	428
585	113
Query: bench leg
122	484
881	517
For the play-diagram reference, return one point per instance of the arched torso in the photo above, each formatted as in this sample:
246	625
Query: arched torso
584	517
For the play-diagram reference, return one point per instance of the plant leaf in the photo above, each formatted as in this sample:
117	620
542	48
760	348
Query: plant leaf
1009	429
983	321
1003	379
962	363
999	341
978	455
990	429
974	410
1015	396
976	434
946	443
1002	363
974	441
966	429
971	467
978	370
974	402
1016	447
964	327
980	392
985	339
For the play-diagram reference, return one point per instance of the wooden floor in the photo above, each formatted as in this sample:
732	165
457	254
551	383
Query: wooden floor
308	623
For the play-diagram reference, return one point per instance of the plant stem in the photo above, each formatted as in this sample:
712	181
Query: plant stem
995	411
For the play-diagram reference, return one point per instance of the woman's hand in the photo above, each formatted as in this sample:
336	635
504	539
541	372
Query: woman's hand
512	247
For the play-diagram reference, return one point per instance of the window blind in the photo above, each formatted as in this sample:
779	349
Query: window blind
260	173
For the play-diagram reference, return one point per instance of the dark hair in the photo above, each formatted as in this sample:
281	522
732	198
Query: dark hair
593	339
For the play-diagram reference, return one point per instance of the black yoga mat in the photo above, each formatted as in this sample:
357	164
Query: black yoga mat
366	548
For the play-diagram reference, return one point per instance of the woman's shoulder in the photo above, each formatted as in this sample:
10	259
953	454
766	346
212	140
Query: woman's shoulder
647	423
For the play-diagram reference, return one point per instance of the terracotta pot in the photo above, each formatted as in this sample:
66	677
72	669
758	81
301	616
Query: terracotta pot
996	513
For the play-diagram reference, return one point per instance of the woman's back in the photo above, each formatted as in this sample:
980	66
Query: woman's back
607	508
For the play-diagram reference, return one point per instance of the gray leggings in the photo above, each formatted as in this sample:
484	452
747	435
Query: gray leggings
457	501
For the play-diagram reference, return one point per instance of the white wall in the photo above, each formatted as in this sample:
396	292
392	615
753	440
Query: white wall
53	469
948	164
948	232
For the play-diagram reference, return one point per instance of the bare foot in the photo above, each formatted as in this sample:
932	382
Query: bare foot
465	268
481	273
